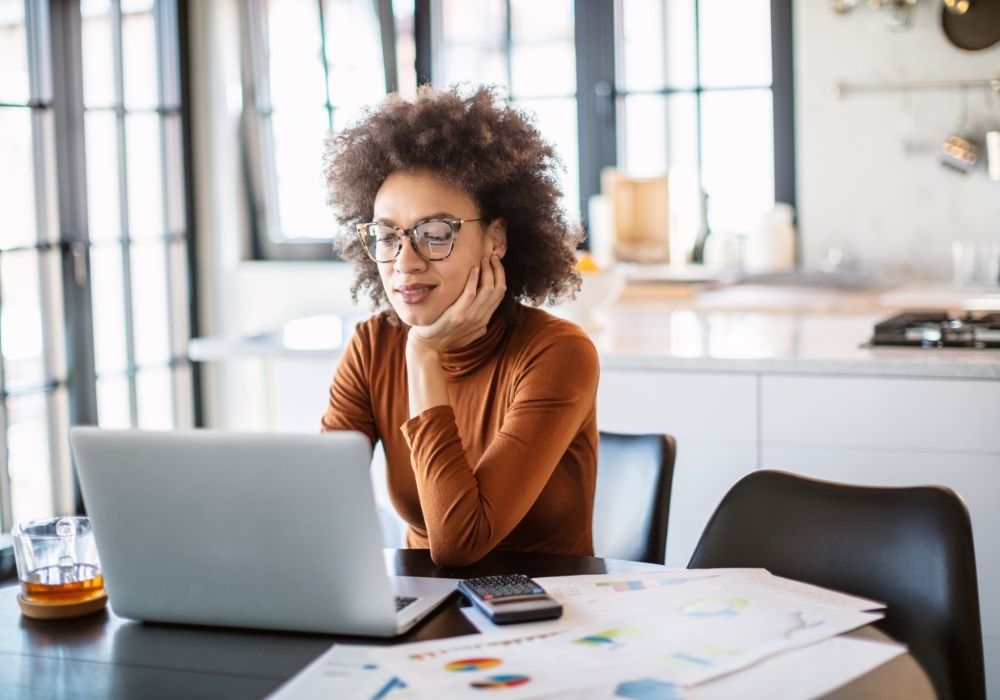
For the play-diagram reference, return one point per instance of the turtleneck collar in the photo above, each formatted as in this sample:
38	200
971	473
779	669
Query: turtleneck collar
463	361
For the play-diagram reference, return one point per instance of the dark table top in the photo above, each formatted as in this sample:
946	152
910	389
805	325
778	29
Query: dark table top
107	657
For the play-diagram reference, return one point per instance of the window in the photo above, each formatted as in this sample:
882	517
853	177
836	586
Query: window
695	100
504	42
699	89
93	253
311	65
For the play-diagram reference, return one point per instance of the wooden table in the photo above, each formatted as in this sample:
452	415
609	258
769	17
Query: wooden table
104	656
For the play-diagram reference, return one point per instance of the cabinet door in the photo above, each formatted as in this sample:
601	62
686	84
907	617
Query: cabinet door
714	419
910	414
716	408
704	473
974	477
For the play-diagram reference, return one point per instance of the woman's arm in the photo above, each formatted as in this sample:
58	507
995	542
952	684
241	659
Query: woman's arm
349	406
469	509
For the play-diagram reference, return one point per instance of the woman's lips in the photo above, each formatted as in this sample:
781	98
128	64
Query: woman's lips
414	293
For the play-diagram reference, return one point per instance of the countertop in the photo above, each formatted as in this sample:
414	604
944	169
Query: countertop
742	328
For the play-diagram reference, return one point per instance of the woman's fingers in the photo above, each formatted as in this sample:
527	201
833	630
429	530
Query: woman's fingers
491	288
499	275
471	285
486	278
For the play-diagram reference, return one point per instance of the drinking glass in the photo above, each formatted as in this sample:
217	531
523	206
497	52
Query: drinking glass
57	562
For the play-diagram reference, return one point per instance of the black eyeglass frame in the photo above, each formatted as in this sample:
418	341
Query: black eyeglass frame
456	226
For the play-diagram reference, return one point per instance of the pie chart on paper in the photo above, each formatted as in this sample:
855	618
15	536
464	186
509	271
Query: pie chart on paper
500	682
477	664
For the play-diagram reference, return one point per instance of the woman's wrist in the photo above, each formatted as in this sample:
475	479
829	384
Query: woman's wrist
419	350
424	376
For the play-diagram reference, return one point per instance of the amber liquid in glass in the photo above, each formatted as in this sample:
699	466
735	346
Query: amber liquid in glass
59	585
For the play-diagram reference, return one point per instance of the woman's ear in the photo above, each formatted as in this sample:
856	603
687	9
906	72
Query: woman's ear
498	235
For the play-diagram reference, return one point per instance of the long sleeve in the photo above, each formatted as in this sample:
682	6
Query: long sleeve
470	508
350	402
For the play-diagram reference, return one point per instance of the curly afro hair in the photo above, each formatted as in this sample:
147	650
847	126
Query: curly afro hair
480	144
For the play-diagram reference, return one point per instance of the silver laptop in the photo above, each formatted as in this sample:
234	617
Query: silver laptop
272	531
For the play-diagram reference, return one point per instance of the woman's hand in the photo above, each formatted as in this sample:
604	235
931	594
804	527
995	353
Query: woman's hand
466	319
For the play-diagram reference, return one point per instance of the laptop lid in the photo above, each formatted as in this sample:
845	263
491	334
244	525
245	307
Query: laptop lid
265	530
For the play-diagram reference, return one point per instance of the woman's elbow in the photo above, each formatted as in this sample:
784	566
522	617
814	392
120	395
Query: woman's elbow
451	556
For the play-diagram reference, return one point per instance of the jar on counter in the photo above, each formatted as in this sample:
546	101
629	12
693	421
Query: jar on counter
771	246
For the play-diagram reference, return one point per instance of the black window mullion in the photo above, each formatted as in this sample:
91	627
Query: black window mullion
595	95
187	160
328	101
387	32
117	59
423	40
67	88
697	109
6	500
508	42
165	23
782	92
63	489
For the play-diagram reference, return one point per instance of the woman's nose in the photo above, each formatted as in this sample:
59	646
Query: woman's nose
408	260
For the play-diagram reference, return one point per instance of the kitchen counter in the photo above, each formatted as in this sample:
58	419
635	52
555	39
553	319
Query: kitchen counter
740	328
640	336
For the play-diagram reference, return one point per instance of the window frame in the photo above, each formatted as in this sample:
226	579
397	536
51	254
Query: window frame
597	78
69	387
597	96
257	139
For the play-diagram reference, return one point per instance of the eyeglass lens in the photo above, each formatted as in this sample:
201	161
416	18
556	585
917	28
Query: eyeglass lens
433	240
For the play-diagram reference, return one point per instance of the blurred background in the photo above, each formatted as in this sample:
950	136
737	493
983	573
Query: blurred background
160	174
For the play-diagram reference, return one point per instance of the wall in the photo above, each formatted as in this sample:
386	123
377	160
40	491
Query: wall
238	297
859	187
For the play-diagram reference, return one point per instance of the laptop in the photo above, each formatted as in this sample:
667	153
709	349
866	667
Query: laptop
271	531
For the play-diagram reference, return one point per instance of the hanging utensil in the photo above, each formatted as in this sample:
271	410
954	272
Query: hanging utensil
958	152
901	17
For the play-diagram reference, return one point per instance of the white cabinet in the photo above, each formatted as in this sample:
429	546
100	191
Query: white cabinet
899	432
949	415
714	419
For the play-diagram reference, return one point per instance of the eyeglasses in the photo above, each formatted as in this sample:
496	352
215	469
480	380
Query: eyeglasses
433	239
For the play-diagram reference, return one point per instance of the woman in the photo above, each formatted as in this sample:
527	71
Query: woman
485	406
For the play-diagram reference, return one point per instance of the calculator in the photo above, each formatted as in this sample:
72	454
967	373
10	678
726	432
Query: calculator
510	598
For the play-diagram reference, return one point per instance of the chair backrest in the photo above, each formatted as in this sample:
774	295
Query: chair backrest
910	548
632	503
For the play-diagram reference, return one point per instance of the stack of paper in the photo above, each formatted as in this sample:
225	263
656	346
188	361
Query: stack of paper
661	634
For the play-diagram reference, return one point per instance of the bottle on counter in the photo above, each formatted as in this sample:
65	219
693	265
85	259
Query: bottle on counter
771	246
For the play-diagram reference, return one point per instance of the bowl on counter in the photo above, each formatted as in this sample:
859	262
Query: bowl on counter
599	289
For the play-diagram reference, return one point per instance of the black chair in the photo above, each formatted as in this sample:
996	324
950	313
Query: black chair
910	548
632	503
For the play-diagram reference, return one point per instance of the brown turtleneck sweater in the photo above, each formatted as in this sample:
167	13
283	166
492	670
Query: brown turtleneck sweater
511	464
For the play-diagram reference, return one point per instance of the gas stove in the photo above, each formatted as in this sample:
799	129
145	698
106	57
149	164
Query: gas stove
939	329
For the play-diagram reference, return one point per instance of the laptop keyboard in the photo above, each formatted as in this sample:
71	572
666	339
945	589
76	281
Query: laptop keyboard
402	602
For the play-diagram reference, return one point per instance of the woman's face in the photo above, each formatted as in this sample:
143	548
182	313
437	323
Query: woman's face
420	290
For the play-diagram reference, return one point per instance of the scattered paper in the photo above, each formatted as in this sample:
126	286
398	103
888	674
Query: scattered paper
346	672
700	634
680	630
799	674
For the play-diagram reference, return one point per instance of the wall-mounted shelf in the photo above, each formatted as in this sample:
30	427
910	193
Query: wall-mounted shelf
844	88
